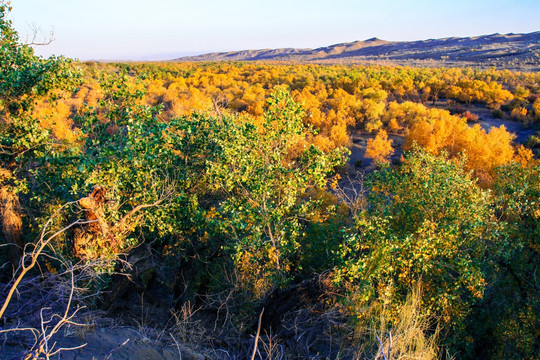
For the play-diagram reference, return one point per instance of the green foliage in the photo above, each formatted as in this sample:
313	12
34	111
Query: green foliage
429	188
264	173
248	195
508	322
24	79
23	75
427	222
139	160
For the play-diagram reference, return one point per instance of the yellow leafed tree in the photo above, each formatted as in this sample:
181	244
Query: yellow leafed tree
380	149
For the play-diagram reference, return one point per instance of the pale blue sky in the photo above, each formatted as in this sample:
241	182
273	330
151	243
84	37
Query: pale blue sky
136	29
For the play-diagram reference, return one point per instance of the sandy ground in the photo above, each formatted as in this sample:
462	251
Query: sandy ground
115	343
487	121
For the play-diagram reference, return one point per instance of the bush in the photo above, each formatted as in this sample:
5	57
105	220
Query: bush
470	117
497	113
423	218
533	141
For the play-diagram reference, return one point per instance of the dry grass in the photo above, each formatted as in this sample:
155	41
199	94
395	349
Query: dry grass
10	216
410	335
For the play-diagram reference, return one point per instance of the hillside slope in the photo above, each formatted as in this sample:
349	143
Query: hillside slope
511	51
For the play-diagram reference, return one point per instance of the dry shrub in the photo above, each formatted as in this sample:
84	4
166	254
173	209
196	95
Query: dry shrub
10	215
351	192
102	238
406	334
188	327
36	305
471	118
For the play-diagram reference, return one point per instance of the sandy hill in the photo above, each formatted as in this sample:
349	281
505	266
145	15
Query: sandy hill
512	51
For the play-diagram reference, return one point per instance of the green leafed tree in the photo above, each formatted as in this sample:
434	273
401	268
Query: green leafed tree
509	322
427	222
264	174
24	143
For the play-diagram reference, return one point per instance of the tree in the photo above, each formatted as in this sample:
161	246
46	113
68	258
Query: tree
511	309
380	148
265	174
24	78
427	222
442	132
129	163
536	108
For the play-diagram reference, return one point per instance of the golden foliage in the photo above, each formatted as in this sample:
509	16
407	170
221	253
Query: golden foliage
380	149
451	134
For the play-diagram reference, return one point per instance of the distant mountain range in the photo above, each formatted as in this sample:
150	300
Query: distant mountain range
511	51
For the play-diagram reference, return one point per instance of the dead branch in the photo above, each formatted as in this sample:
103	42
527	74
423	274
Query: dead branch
33	255
352	192
257	336
44	346
104	233
122	222
36	32
115	349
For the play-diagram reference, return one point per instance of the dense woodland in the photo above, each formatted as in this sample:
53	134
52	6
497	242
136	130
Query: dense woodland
198	195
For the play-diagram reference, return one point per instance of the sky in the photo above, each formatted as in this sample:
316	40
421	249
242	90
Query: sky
165	29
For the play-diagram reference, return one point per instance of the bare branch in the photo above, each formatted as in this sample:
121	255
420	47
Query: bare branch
40	245
136	209
37	33
115	349
257	336
351	192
